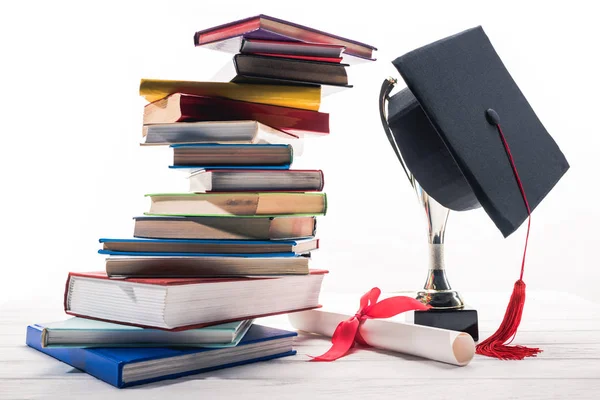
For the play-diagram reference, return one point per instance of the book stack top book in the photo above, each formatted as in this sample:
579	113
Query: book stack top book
202	265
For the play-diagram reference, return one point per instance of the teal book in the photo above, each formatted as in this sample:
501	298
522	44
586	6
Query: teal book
83	333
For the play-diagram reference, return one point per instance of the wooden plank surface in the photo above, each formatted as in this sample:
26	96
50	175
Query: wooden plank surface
564	325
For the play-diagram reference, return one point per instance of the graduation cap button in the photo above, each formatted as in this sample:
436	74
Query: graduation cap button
492	116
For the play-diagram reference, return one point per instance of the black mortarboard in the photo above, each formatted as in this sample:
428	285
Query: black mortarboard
448	136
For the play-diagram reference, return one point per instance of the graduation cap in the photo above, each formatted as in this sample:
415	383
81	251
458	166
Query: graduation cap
469	137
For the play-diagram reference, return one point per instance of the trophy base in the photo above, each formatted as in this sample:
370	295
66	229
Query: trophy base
462	320
441	299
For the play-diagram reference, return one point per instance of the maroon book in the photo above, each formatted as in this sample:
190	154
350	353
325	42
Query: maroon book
186	108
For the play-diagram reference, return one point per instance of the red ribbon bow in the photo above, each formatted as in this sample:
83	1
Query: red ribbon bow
347	332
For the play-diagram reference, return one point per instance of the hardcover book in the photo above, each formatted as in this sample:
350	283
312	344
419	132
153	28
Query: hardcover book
207	246
178	265
306	58
237	204
180	107
228	37
187	303
232	155
84	332
216	132
232	180
254	228
250	68
123	367
288	48
304	97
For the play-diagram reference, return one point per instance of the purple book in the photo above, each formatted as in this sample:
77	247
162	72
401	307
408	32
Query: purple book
228	37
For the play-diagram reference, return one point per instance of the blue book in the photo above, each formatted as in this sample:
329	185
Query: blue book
123	367
233	248
169	254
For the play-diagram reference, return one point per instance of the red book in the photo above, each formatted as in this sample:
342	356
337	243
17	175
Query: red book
265	27
188	303
186	108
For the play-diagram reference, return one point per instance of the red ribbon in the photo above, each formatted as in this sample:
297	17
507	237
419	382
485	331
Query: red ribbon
347	332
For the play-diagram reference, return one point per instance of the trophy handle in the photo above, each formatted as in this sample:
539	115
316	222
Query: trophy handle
437	291
386	88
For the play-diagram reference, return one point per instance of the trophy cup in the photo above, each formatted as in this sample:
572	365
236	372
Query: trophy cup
417	145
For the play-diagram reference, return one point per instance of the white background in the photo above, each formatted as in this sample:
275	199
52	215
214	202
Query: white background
72	169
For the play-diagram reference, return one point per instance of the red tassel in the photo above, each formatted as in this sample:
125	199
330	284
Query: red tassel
496	345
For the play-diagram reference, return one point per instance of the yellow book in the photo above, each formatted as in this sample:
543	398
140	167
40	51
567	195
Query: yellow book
305	97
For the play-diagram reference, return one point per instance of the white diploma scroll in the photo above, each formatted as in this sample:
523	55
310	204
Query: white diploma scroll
443	345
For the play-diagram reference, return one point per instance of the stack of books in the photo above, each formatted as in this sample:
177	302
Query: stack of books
204	264
273	51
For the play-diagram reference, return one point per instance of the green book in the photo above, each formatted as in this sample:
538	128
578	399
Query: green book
83	332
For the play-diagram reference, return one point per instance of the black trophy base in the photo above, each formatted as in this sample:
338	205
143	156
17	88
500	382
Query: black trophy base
462	320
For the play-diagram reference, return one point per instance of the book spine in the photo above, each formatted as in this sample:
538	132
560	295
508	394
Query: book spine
86	360
44	338
322	180
67	294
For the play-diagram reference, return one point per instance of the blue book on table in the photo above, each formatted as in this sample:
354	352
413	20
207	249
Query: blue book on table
206	247
122	367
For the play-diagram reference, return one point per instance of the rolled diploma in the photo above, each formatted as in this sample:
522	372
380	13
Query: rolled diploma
443	345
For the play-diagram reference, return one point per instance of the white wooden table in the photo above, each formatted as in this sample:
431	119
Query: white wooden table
565	326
